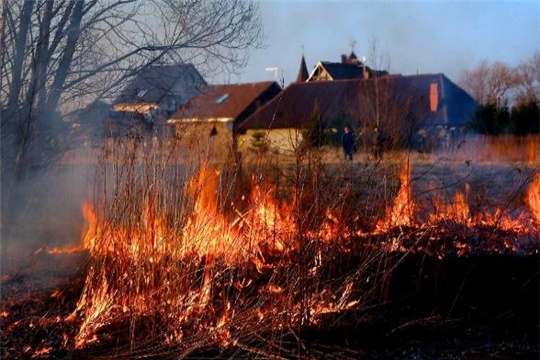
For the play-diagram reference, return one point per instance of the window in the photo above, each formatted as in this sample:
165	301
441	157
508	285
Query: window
222	98
141	93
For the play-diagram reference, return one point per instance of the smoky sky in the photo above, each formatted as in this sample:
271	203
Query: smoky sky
411	37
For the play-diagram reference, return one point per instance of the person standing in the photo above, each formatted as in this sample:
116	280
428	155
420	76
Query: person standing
347	142
378	143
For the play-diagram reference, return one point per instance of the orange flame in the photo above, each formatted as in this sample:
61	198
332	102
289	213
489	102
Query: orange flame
157	247
148	265
533	197
458	210
404	209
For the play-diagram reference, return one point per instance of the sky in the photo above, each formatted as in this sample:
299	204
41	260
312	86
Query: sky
405	37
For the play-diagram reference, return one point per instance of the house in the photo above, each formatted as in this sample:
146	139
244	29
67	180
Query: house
158	90
350	67
212	117
408	108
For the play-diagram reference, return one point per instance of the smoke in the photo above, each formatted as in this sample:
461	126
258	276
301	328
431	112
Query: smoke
45	208
45	178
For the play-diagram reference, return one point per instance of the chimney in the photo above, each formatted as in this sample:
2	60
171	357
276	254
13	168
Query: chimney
365	74
343	59
433	97
353	59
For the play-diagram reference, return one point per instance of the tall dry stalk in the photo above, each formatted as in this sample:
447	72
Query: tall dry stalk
189	254
187	259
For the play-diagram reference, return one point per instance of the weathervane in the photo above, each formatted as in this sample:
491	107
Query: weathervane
352	44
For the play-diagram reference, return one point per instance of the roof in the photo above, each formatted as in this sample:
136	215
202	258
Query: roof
154	83
346	70
355	98
339	71
303	74
223	102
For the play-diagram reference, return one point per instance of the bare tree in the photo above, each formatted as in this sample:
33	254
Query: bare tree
56	53
388	113
60	51
489	83
508	97
528	80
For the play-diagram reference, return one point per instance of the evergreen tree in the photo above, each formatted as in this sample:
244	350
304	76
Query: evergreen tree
491	119
525	118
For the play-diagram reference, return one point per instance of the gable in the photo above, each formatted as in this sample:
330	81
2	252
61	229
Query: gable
163	85
460	105
319	73
339	71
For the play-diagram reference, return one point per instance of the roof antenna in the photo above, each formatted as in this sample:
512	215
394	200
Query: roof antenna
275	69
352	44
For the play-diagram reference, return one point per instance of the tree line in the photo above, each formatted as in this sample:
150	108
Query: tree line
508	97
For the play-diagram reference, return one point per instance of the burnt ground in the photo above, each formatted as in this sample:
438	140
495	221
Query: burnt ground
469	307
481	307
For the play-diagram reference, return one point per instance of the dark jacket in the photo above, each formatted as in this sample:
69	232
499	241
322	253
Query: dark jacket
347	141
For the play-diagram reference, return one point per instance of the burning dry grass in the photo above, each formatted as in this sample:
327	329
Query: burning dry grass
198	258
224	270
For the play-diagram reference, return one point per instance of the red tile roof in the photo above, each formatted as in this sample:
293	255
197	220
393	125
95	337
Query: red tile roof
223	102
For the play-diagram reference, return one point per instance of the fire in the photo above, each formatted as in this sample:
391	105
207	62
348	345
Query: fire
116	285
457	210
404	208
88	241
533	197
196	272
60	249
403	211
41	352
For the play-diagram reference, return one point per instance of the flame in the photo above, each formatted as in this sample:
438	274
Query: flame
90	229
41	352
57	250
404	208
533	197
156	246
458	210
403	211
151	264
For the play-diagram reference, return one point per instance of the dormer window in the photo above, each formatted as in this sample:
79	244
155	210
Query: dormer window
222	98
141	93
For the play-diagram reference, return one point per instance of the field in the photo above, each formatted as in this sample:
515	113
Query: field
419	256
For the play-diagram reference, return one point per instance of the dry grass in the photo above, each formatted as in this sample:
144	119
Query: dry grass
181	239
500	149
189	254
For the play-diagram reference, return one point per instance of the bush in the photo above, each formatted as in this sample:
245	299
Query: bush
525	118
491	119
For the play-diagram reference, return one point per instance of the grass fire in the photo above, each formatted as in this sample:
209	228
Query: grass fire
271	259
182	180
